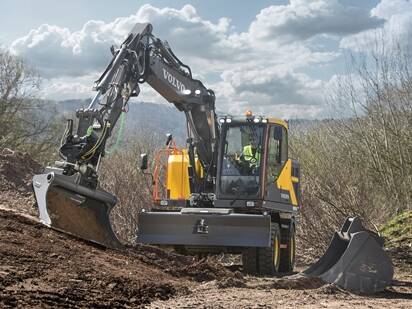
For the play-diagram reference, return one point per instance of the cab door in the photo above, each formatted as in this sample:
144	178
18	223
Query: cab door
280	192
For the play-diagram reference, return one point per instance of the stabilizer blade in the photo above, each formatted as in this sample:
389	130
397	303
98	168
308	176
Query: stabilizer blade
204	227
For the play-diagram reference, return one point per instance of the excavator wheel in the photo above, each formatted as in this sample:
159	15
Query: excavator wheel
264	261
268	259
288	254
249	260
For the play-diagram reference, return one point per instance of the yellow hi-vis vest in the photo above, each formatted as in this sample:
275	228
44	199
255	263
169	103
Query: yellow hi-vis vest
248	154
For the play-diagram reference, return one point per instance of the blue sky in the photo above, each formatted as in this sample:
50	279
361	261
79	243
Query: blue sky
275	57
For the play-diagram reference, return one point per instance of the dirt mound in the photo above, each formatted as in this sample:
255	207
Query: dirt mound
295	282
39	266
179	266
16	172
331	289
43	267
235	281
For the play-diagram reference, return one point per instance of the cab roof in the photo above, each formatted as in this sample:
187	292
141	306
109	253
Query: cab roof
259	118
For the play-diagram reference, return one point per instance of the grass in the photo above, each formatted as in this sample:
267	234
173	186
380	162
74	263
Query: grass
398	231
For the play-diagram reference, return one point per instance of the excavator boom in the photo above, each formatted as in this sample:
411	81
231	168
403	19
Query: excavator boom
68	194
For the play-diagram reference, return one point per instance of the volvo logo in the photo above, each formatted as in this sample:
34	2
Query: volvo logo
173	81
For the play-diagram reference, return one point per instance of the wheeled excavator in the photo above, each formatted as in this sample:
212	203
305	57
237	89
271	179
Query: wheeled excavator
232	189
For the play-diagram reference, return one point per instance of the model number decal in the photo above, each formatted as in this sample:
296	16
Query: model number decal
284	196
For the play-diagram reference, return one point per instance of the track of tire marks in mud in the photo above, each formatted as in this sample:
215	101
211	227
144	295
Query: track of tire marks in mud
41	267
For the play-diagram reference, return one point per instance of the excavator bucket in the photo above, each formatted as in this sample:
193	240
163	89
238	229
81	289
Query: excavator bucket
355	260
68	207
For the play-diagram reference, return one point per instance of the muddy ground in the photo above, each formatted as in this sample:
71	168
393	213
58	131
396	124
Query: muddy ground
292	291
40	267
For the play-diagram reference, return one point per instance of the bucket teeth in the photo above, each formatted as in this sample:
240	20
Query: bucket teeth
355	260
76	210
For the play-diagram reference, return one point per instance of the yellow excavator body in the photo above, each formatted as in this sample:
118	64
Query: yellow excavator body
286	182
177	181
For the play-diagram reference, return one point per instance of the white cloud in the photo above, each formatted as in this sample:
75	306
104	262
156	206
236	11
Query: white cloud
257	68
70	87
207	46
271	91
389	8
303	19
397	28
57	51
60	88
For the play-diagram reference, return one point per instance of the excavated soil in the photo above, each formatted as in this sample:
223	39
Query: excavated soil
16	172
40	268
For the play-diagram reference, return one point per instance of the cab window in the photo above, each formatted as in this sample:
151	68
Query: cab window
277	151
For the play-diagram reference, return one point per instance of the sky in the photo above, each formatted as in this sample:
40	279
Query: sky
273	57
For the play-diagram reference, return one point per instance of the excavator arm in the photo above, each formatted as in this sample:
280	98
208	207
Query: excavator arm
141	58
68	194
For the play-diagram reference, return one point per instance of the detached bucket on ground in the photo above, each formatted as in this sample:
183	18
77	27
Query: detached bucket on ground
355	260
66	206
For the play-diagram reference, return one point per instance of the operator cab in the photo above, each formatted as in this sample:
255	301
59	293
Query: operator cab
241	160
253	168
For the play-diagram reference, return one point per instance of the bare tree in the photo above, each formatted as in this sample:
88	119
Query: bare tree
121	176
26	123
359	164
379	131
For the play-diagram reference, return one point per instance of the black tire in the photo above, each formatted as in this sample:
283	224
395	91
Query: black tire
249	261
288	254
268	260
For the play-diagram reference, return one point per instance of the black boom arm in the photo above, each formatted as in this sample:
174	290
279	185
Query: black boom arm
142	58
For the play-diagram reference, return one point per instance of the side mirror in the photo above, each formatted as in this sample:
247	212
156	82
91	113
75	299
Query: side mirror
143	161
169	139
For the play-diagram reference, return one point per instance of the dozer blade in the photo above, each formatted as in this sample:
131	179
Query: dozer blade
355	260
203	227
73	209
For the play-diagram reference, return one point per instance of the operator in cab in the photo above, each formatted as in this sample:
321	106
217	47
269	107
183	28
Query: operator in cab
249	160
252	152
